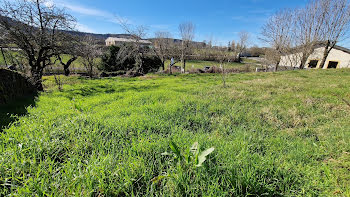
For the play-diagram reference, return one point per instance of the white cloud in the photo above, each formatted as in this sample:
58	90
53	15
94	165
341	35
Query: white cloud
84	28
83	10
87	11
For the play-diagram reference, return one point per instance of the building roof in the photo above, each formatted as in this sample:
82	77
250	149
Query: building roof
114	39
319	45
346	50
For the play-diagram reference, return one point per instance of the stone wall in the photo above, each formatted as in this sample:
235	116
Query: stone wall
13	85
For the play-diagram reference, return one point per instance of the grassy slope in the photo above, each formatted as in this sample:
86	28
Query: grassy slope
10	112
275	134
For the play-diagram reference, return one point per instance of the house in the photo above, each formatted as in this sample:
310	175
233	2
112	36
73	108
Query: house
115	41
339	57
195	44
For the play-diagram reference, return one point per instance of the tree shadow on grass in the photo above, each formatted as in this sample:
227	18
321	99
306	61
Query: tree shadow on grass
18	107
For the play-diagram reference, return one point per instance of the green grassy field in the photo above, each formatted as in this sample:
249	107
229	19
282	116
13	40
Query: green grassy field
2	61
274	134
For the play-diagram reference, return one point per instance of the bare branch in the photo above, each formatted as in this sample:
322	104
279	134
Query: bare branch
187	32
37	30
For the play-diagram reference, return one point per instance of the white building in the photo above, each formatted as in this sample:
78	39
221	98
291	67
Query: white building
339	57
115	41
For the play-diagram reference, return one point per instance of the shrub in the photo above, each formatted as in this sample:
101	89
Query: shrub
151	63
112	74
111	61
118	58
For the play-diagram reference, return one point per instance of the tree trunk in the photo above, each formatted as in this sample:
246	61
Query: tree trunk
184	65
183	54
67	65
182	60
90	71
66	70
303	62
37	74
325	54
276	66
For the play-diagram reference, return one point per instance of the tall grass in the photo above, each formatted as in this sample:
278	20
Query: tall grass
275	134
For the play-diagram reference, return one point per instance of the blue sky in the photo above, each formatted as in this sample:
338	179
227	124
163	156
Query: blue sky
220	20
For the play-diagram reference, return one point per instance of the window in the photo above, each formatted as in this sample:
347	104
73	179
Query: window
313	63
332	64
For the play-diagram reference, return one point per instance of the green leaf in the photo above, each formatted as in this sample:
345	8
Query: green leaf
194	148
195	151
203	156
175	149
158	178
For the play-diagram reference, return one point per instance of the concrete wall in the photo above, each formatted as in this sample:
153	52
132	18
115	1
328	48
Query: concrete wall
292	60
336	55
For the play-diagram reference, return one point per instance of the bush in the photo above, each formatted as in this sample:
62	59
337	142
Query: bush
113	74
111	62
151	63
133	73
118	59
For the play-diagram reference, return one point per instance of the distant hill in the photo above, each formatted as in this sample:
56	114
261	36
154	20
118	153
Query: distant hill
103	37
98	36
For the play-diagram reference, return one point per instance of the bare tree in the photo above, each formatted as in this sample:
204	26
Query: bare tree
335	27
210	42
67	64
308	29
276	33
272	58
233	46
136	49
90	51
243	41
175	53
71	50
187	32
223	57
162	46
37	30
300	31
